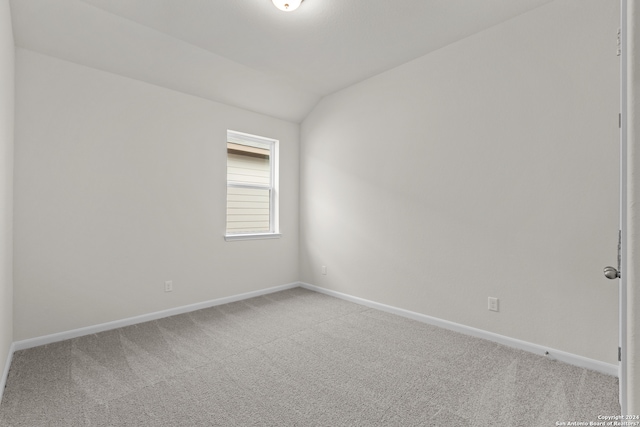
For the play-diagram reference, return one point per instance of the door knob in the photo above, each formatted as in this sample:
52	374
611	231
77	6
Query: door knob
611	272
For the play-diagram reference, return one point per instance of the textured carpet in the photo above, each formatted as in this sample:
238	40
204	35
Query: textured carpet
295	358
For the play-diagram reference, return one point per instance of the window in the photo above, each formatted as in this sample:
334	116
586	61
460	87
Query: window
252	187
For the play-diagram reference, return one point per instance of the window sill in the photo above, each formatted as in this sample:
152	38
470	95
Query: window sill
259	236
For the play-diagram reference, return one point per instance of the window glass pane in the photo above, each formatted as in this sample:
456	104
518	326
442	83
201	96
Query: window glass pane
249	141
248	210
251	195
248	165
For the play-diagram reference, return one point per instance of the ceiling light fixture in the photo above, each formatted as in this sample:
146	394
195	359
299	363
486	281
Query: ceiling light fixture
287	5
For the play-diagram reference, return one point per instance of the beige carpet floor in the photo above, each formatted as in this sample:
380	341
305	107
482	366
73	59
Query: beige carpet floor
295	358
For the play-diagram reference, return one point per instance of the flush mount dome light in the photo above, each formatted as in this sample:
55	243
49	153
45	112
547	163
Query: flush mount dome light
287	5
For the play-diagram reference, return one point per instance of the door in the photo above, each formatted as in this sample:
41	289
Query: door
622	250
619	273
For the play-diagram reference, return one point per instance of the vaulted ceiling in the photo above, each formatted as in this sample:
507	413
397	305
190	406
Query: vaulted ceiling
247	53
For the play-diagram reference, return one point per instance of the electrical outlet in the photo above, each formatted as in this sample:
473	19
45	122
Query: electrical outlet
168	286
493	304
324	270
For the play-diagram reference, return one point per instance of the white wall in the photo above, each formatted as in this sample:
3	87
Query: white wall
121	185
633	212
487	168
6	181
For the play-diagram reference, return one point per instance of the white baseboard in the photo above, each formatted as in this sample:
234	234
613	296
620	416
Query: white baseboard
61	336
562	356
572	359
5	372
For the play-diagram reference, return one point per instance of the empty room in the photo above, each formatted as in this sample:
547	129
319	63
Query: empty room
319	213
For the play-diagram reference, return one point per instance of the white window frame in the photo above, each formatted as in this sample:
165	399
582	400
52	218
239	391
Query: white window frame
274	223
